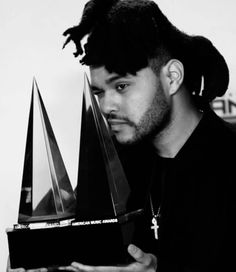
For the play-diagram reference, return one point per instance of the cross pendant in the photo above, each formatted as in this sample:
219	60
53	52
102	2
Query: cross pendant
155	227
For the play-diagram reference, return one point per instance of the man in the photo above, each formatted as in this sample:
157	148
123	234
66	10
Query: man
147	76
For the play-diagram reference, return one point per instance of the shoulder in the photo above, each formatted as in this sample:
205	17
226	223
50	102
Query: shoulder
222	132
226	132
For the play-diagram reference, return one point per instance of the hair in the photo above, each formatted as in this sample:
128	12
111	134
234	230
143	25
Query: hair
125	35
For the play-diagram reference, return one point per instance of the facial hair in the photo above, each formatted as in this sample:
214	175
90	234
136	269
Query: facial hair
154	119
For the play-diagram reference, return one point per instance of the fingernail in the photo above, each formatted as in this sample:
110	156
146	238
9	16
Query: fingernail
132	248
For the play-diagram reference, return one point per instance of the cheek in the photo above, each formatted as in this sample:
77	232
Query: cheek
136	108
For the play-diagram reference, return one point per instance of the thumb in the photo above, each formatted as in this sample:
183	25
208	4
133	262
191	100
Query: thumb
139	255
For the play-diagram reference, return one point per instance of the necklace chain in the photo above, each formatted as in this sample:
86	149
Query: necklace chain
155	225
158	214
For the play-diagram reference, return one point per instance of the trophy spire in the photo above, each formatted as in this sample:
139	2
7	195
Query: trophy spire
102	186
46	192
101	215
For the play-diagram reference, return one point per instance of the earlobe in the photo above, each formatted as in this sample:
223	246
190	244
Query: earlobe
175	74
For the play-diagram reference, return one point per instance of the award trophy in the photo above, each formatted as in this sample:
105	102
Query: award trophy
56	225
47	199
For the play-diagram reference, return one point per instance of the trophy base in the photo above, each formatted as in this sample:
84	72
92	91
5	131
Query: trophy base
99	242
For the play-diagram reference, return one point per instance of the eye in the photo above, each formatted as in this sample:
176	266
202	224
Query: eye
121	87
97	92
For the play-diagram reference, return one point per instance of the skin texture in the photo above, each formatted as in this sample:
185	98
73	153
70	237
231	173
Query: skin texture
135	106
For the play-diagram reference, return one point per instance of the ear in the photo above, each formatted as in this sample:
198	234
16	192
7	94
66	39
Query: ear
174	75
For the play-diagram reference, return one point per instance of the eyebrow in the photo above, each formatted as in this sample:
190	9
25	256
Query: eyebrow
108	81
113	78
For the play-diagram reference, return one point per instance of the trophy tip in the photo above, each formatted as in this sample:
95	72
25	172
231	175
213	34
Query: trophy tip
34	81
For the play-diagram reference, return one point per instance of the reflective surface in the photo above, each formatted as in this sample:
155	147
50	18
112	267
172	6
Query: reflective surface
46	192
102	189
102	193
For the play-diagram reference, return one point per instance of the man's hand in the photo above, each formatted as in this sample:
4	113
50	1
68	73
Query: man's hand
144	262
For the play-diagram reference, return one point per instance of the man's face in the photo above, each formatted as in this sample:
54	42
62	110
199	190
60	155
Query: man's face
135	106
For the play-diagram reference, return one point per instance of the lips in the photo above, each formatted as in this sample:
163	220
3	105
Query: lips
113	122
116	124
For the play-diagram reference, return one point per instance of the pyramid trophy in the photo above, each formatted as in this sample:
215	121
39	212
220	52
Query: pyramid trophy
47	199
102	191
56	225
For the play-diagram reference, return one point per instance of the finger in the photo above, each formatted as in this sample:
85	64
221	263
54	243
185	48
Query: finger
82	267
16	270
139	255
20	269
67	268
88	268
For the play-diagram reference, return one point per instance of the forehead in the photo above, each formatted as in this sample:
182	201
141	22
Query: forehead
100	75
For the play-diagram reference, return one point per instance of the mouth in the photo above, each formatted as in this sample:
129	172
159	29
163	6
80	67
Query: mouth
116	124
113	122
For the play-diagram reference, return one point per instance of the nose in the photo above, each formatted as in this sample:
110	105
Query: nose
109	102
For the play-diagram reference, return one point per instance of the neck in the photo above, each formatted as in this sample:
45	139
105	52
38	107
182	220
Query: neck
182	123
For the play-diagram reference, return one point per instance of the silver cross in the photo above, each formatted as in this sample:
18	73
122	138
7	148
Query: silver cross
155	227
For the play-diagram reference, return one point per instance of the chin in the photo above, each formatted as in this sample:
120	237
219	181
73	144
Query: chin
125	140
121	138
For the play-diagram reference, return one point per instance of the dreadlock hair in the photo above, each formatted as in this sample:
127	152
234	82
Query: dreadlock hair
124	35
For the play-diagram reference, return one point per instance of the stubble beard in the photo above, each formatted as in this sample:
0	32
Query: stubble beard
153	121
